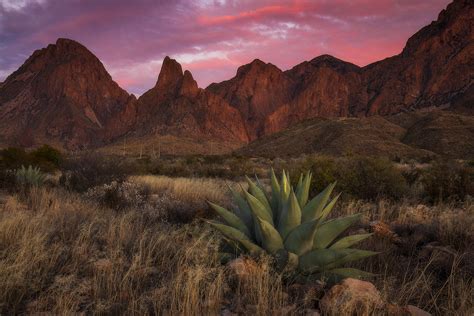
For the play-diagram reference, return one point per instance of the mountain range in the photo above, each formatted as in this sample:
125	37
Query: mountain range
62	95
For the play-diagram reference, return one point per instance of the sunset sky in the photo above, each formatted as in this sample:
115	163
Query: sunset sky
210	37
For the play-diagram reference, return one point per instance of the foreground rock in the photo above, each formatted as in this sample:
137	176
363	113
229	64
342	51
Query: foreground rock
351	297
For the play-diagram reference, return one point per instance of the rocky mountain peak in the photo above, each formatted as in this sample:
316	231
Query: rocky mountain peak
170	75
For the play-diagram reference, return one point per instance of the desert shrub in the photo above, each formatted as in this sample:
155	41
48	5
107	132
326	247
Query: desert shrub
372	178
120	195
91	170
448	180
358	177
45	157
29	177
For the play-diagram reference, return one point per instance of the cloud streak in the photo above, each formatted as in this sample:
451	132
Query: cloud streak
210	37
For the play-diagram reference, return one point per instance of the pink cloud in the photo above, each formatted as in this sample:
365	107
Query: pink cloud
213	38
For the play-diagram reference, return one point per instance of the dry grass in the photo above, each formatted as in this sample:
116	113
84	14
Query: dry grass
187	189
61	254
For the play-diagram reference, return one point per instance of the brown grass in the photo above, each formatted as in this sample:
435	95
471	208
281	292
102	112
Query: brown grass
61	254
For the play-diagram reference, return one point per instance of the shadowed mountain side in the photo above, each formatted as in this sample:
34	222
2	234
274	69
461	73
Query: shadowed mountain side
176	106
63	95
421	135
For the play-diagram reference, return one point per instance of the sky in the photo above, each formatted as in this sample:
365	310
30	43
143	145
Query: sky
211	38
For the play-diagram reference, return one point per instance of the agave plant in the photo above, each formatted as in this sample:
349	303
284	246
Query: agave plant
31	176
291	227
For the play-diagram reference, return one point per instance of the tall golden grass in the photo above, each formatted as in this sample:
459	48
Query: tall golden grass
62	254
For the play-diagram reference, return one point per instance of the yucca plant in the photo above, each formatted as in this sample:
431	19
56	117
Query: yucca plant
31	176
292	228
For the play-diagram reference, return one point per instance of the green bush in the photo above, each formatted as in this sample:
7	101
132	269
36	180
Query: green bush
29	177
448	180
91	170
45	157
358	177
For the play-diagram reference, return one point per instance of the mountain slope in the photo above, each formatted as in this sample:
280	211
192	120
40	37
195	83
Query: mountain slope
63	95
176	106
407	135
435	69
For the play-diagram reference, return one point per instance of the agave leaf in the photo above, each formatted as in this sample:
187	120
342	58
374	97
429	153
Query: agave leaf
230	218
244	212
315	207
258	209
260	195
348	241
328	208
271	239
300	239
328	231
351	255
327	259
290	216
350	273
276	196
285	185
238	236
302	191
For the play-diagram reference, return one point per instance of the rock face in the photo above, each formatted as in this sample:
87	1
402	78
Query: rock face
435	69
177	106
256	91
64	96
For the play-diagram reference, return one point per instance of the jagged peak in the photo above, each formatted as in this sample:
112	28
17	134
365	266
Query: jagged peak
171	72
255	64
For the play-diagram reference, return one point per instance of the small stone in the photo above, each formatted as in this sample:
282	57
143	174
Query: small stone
311	312
243	267
415	311
351	296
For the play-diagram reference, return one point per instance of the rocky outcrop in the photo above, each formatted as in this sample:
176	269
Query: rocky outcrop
177	106
435	69
256	91
63	95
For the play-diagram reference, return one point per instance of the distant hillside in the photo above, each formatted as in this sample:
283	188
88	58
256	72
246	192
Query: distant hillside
408	135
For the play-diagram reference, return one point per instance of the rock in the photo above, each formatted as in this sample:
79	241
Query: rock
63	95
311	312
396	310
415	311
430	72
243	268
178	107
351	296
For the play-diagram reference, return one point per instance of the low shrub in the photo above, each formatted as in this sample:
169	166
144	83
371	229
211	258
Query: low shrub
120	196
358	177
91	170
46	158
448	180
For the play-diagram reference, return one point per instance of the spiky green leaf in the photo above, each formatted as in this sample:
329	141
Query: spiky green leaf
271	239
260	194
230	218
348	241
290	216
314	208
302	190
243	209
327	259
237	235
328	231
300	239
258	209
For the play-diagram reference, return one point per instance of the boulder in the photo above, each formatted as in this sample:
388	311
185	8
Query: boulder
350	297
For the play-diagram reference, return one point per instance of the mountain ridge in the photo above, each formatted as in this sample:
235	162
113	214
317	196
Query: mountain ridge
63	94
